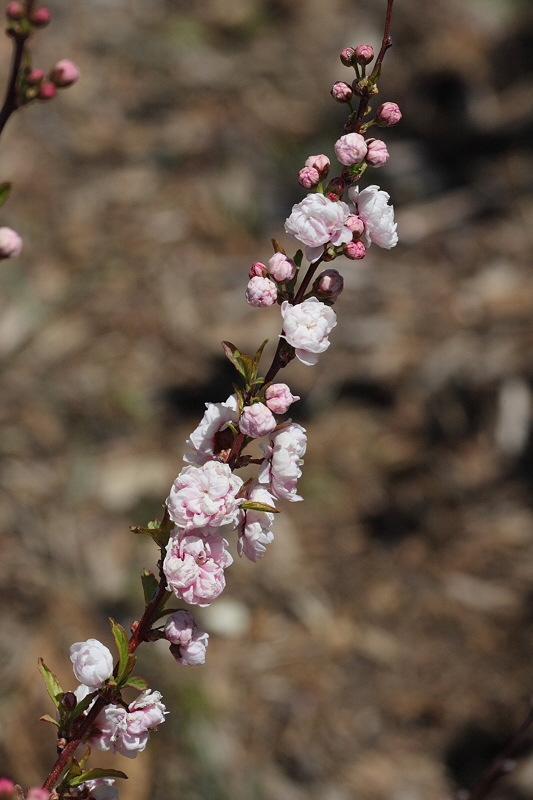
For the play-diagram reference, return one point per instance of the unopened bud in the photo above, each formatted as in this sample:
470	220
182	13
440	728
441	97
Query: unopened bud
257	269
40	17
281	268
335	188
388	114
354	250
341	92
65	73
35	77
14	11
321	163
10	243
364	53
69	701
350	149
47	91
355	224
377	153
329	285
347	56
308	177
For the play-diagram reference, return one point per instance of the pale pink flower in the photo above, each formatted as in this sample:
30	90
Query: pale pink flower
65	73
355	224
188	642
37	793
320	162
341	92
194	565
279	397
283	459
330	283
364	53
317	220
371	204
308	177
377	153
92	662
257	269
350	149
306	326
254	526
10	243
261	292
101	789
257	420
204	495
281	268
208	439
7	786
127	731
354	250
388	114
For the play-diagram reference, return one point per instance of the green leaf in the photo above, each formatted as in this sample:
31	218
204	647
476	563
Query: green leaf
136	682
48	718
150	585
298	258
97	772
83	705
5	188
52	684
233	355
126	659
257	359
252	505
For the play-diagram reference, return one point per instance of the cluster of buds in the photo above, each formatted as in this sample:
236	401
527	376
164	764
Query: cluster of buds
39	86
19	21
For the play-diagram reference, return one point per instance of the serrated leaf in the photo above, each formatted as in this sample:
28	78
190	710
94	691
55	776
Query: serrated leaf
97	772
150	585
121	640
252	505
52	684
5	188
48	718
136	682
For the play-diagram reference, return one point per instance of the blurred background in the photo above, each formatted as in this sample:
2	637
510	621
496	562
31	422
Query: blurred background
382	649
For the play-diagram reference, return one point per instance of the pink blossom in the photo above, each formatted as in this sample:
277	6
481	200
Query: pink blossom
341	92
330	284
14	11
354	250
194	565
388	114
37	793
317	220
92	662
65	73
261	292
40	17
283	459
355	224
254	526
34	77
257	269
10	243
204	496
364	53
257	420
377	153
281	268
320	162
47	91
6	786
101	789
279	398
212	436
371	204
350	149
127	731
306	326
188	641
308	177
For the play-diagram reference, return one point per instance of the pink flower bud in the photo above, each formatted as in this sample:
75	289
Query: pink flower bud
354	250
92	662
335	188
10	243
388	114
261	292
329	285
308	177
47	91
37	793
6	786
257	269
350	149
14	11
347	56
364	53
279	397
355	224
281	268
341	92
35	77
257	420
321	163
65	73
377	153
41	17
